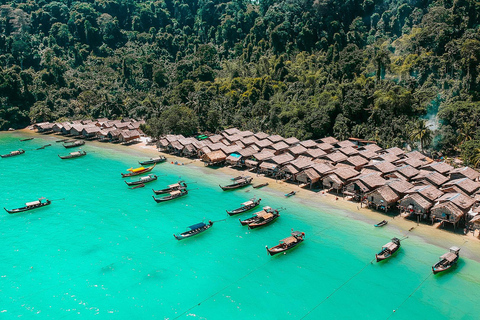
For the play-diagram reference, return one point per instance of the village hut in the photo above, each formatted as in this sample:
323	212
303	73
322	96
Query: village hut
348	151
265	154
415	155
382	198
368	154
365	182
261	135
288	172
335	157
372	147
338	178
275	138
356	161
90	131
440	167
66	129
415	204
230	131
128	136
308	144
323	168
215	138
188	151
431	177
246	133
272	165
233	159
451	208
466	185
345	144
57	127
464	172
383	167
114	135
214	158
474	223
76	130
102	135
279	147
408	172
291	141
308	177
329	140
314	153
265	143
162	144
428	191
326	147
203	151
297	150
396	151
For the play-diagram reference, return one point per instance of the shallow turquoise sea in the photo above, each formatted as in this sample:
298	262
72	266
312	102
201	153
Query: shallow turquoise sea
108	252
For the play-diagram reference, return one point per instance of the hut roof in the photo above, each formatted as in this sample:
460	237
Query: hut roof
329	140
386	193
408	171
281	159
356	161
289	168
264	155
268	165
279	146
465	184
176	145
275	138
296	150
336	156
440	167
315	153
291	141
308	143
240	144
264	143
382	166
91	129
395	150
336	179
450	207
346	173
414	162
428	191
230	149
311	174
261	135
399	185
325	146
372	180
415	155
348	151
388	157
215	138
453	189
345	144
466	172
189	148
214	156
421	201
249	140
431	176
322	168
234	138
216	146
372	147
246	133
460	200
231	131
251	163
302	162
247	152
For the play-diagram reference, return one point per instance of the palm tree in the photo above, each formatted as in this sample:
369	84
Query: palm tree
466	132
421	132
476	158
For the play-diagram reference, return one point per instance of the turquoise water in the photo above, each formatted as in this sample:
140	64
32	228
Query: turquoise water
107	252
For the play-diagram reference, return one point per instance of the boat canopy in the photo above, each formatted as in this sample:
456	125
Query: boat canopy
454	249
247	203
75	153
297	234
33	203
390	246
289	240
449	256
265	215
197	226
146	178
136	169
174	185
174	193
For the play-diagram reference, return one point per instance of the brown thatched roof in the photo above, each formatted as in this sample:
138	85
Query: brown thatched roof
439	208
247	152
296	150
261	135
418	199
281	159
345	144
311	174
246	133
329	140
264	143
433	177
372	147
408	171
215	138
415	155
275	138
460	200
315	153
327	147
399	186
230	149
302	162
368	154
308	143
263	155
234	138
291	141
322	168
289	168
441	167
466	172
214	156
428	191
413	162
372	180
465	184
388	157
356	161
279	146
346	173
348	151
381	166
395	150
249	140
387	193
336	156
231	131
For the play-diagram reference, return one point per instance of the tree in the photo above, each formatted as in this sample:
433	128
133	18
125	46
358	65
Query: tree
420	132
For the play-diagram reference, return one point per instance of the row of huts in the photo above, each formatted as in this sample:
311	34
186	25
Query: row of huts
105	130
361	170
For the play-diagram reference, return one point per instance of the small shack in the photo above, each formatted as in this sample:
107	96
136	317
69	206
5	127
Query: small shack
214	158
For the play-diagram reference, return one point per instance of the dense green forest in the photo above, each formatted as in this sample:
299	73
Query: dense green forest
365	68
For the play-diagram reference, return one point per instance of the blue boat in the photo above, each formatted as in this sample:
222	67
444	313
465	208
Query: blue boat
194	230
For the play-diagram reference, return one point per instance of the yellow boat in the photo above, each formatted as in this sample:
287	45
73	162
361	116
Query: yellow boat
137	171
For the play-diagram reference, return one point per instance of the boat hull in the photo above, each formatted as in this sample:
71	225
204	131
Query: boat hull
75	144
279	249
23	209
259	224
243	209
143	163
139	182
132	174
9	155
192	233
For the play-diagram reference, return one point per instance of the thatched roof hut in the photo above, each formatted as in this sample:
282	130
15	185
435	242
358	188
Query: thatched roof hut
345	144
214	157
329	140
396	151
348	151
382	198
275	138
466	185
356	161
308	143
264	143
315	153
308	176
302	162
408	172
383	167
261	135
336	157
428	191
327	147
372	147
263	155
292	141
440	167
431	177
297	150
464	172
415	204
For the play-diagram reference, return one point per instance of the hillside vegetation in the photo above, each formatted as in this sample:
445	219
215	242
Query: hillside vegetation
369	69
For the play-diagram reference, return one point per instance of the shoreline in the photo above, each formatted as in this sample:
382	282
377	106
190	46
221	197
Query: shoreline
431	234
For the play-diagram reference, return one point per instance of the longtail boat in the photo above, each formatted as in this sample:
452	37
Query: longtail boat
260	185
246	206
62	140
296	238
153	161
142	180
172	187
13	153
137	171
239	183
261	218
194	230
75	154
138	186
388	250
44	146
292	193
74	144
27	139
173	195
381	223
447	260
30	205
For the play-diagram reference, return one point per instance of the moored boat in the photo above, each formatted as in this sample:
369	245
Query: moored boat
296	238
246	206
260	185
153	161
62	140
290	194
137	171
137	186
173	195
75	154
261	218
239	183
27	139
142	180
381	223
447	260
74	144
13	153
172	187
388	250
194	230
30	205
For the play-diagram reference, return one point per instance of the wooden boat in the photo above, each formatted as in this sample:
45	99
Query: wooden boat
173	195
30	205
261	218
381	223
74	144
239	183
62	140
13	153
296	238
27	139
194	230
290	194
388	250
237	178
246	206
137	171
447	261
260	185
142	180
137	186
75	154
153	161
44	146
172	187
